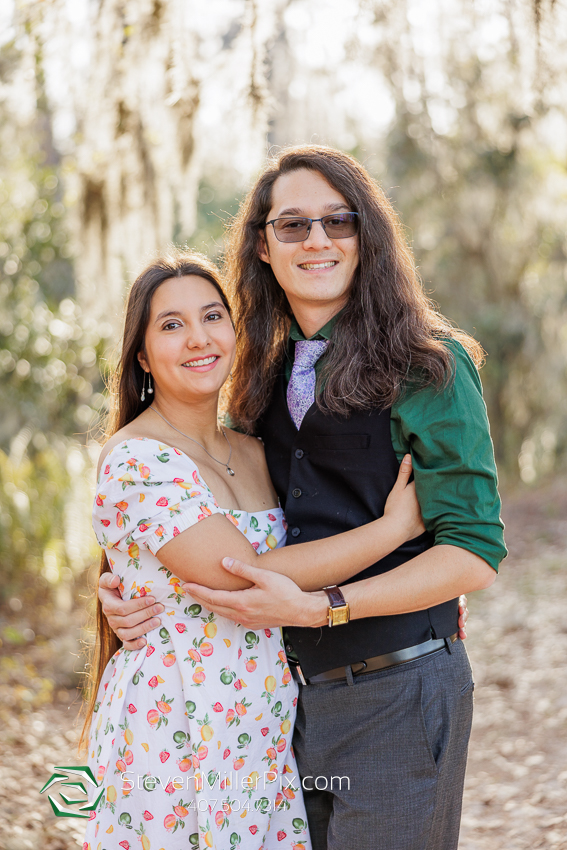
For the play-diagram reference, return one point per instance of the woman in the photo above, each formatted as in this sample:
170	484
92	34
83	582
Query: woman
191	734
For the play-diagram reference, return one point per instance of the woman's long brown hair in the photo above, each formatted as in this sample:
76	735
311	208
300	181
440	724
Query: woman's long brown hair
125	386
388	329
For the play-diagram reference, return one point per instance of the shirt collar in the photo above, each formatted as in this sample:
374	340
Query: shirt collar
326	332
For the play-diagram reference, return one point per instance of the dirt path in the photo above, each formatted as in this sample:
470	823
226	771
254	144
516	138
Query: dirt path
516	789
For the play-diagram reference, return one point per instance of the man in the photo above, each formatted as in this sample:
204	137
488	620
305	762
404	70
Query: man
343	367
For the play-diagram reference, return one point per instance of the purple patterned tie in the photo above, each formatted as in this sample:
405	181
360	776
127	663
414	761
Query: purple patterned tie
301	387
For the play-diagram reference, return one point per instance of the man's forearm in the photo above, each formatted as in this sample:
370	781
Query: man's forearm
441	573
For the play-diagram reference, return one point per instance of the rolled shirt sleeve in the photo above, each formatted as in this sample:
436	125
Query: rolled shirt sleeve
448	435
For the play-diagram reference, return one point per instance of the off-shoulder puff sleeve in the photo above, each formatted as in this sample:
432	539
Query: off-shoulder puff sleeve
147	494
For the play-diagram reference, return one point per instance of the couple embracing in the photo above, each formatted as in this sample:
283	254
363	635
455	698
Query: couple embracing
350	379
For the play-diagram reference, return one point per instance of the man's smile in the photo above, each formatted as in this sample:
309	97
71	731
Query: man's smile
323	264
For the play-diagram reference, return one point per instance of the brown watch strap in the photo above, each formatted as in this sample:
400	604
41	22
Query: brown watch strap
338	611
335	595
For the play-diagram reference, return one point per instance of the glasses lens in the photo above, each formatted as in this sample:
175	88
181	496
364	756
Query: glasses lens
337	226
340	225
291	229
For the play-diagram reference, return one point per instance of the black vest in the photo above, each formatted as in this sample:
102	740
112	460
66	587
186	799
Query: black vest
332	475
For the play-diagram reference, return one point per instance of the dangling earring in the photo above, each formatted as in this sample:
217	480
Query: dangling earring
230	376
150	388
143	393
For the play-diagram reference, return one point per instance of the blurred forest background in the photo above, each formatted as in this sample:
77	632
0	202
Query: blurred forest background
129	124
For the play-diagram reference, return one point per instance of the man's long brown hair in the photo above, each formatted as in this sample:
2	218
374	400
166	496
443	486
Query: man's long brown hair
388	329
125	386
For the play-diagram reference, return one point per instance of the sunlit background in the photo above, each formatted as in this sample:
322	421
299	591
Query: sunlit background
129	124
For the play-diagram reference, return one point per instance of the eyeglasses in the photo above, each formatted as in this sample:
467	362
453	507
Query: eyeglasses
336	226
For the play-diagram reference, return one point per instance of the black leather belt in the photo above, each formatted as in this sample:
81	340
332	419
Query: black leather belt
379	662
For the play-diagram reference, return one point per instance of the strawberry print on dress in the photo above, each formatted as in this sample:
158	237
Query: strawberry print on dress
191	735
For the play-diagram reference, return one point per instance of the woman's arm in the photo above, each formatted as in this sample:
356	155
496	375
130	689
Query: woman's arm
132	619
196	554
437	575
456	476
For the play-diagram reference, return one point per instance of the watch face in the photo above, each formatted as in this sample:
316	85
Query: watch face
340	615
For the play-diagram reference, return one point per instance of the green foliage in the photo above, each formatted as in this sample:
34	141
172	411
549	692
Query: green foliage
484	203
216	205
48	352
49	355
32	507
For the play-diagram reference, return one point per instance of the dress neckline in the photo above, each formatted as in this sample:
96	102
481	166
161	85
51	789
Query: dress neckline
184	454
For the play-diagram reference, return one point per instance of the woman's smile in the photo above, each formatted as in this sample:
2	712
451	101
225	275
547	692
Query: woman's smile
202	364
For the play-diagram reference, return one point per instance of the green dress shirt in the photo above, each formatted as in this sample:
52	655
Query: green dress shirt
448	435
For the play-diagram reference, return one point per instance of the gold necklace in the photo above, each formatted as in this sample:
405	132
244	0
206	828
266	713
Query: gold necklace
222	463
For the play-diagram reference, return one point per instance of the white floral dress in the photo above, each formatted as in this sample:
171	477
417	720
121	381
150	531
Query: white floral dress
191	736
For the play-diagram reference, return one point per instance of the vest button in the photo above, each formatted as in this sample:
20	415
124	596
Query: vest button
299	453
295	532
289	648
296	493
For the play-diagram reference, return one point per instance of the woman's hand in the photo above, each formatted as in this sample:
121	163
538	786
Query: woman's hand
402	507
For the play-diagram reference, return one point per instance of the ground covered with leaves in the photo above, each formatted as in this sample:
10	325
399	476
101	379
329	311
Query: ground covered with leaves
516	788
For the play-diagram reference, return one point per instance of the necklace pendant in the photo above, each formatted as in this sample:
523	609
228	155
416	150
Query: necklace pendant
229	470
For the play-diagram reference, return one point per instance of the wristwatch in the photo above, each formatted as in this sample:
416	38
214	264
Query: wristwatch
338	611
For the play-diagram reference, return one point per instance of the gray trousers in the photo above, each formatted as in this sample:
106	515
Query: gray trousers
385	755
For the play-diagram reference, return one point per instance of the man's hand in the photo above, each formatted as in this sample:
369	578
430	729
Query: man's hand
128	619
463	617
274	600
